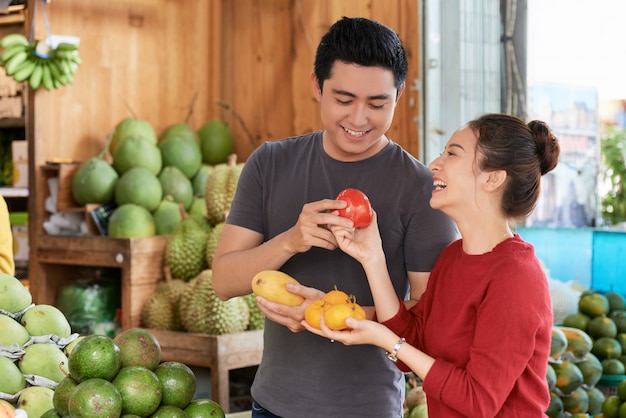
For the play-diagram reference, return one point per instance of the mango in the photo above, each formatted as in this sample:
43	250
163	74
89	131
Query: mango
12	378
46	319
271	285
36	400
12	332
46	360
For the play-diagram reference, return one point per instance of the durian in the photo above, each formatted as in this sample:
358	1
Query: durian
221	185
203	312
211	243
257	317
185	252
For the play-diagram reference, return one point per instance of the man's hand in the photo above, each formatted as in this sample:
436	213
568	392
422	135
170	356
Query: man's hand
290	316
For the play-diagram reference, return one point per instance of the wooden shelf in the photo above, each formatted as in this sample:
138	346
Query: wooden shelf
15	15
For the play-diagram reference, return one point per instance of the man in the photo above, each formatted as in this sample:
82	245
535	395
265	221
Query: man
279	221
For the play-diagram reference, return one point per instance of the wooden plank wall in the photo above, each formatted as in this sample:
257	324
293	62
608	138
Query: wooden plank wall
152	57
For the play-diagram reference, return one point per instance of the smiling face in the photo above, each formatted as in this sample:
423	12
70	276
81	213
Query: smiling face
357	105
456	177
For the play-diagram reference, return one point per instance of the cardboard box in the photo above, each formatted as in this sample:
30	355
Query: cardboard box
19	229
19	150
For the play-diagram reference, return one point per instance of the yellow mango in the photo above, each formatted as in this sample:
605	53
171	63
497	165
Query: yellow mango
271	285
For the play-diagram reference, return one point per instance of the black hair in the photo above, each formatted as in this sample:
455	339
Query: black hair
363	42
524	151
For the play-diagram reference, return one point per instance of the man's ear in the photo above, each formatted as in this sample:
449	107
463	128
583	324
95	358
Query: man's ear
495	179
400	91
315	84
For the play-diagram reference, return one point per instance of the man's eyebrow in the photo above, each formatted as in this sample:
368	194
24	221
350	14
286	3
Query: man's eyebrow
347	93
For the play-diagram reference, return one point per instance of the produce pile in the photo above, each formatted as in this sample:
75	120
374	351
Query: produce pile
49	372
588	358
152	183
37	63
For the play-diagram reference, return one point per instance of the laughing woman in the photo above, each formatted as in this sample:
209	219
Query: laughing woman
480	335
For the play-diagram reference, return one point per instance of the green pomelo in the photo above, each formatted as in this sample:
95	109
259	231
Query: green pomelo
130	221
602	326
174	183
138	347
204	408
36	400
176	130
12	332
46	360
51	413
68	348
96	356
216	142
610	406
178	382
621	339
62	395
167	216
199	180
168	411
619	317
46	319
613	366
94	182
182	153
577	320
14	296
95	398
606	348
420	411
593	304
129	128
139	186
137	152
198	207
12	378
140	389
616	301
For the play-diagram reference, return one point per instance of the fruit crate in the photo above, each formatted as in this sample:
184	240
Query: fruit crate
608	383
140	261
220	353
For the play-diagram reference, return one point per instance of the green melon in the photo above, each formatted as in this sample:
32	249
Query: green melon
182	153
216	142
131	221
137	152
94	182
141	187
131	128
176	184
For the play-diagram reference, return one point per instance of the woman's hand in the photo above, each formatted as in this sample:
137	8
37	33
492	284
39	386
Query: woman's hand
361	331
362	244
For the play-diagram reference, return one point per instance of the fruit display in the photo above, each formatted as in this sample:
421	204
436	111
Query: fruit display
587	363
37	63
47	371
153	183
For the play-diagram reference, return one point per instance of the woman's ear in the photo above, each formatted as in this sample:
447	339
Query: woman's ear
315	84
495	179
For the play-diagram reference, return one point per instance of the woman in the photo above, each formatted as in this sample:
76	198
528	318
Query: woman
480	335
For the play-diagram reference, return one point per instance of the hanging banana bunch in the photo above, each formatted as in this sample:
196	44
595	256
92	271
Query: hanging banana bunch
37	63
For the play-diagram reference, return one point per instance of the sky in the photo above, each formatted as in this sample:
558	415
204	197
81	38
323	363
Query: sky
579	42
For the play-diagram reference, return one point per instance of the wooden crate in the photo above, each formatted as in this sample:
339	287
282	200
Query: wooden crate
140	261
220	353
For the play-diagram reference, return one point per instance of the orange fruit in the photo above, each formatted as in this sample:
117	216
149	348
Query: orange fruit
313	313
336	315
602	326
336	296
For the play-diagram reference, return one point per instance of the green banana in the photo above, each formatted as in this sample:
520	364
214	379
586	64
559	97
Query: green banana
66	46
24	71
11	51
13	39
36	76
11	65
46	75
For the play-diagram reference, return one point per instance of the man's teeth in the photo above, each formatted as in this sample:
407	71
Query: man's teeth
439	184
355	133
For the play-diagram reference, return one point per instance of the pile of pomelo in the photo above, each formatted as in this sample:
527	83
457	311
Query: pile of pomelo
150	180
588	350
46	371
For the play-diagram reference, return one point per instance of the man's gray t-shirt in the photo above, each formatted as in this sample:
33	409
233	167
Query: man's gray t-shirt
301	374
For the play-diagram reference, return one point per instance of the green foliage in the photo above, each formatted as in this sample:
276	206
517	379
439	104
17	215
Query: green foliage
613	150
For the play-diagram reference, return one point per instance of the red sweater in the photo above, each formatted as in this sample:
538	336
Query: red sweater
487	321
